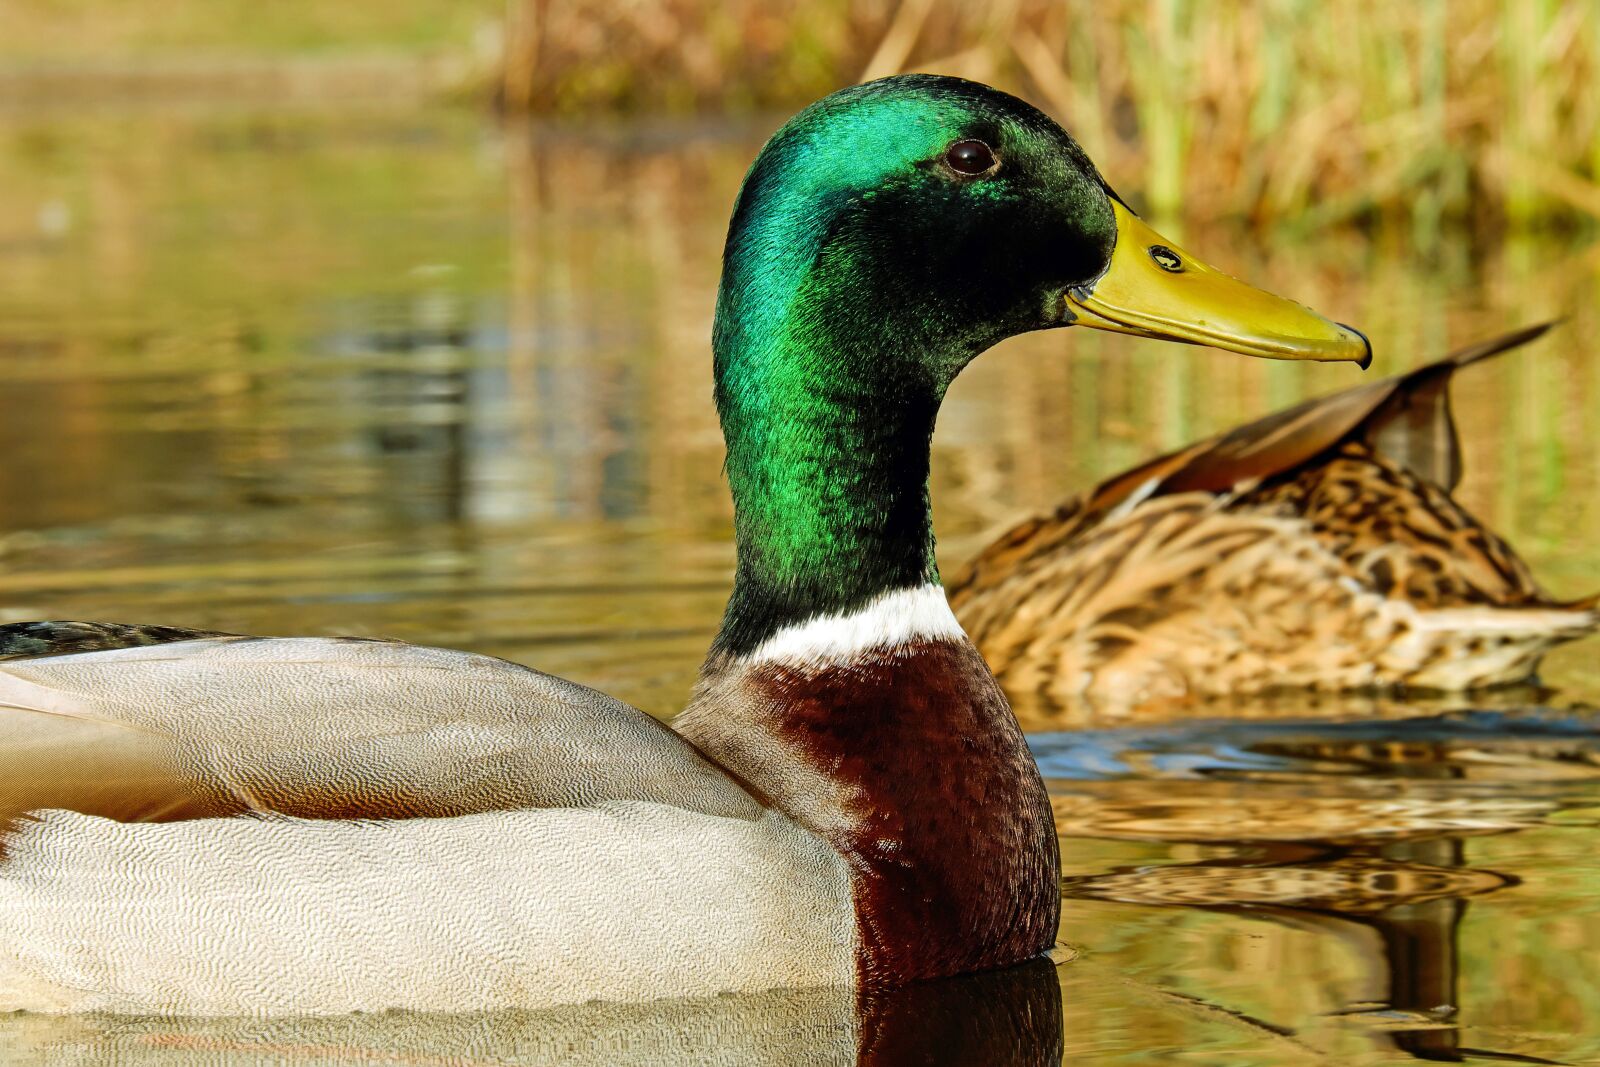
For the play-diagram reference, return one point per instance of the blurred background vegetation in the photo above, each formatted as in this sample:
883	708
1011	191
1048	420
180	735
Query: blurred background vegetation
392	319
1431	112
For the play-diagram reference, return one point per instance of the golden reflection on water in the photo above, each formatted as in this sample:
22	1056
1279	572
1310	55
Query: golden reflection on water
404	375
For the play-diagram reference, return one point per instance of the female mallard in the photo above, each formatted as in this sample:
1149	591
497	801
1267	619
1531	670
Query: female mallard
1317	547
848	799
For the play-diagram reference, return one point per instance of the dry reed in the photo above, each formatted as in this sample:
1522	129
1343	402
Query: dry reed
1421	113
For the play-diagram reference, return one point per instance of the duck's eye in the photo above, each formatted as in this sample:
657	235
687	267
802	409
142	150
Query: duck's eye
969	157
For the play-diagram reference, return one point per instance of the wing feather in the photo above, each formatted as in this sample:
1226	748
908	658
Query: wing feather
327	728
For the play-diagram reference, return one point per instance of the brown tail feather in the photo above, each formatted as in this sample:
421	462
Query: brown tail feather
1416	428
1406	417
1465	357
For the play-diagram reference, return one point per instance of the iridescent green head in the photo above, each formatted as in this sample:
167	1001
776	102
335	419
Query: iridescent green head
885	236
958	212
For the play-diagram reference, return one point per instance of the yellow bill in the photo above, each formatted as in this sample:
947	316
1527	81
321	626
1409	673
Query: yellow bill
1153	288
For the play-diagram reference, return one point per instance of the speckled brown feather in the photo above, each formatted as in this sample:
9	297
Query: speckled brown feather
1318	547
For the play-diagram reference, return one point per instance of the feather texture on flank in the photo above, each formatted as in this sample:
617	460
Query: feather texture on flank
471	913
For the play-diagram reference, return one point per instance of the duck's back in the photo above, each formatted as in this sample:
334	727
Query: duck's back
1194	594
243	825
1318	547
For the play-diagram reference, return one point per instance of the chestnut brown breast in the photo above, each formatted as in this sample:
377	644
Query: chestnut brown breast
916	770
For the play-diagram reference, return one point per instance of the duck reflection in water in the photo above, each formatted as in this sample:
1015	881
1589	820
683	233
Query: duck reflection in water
1383	873
1009	1018
1399	907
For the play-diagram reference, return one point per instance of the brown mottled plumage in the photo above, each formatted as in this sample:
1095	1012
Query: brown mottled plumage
1318	547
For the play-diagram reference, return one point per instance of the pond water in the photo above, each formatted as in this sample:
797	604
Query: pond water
411	375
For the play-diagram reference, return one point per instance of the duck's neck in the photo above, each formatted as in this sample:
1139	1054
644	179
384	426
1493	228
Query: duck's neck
828	420
840	688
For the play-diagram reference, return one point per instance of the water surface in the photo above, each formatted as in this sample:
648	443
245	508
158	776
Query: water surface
410	375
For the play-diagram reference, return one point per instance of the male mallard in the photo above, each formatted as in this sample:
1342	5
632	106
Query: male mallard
1317	547
847	801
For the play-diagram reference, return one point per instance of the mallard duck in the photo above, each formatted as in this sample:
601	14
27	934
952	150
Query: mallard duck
1317	547
226	824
